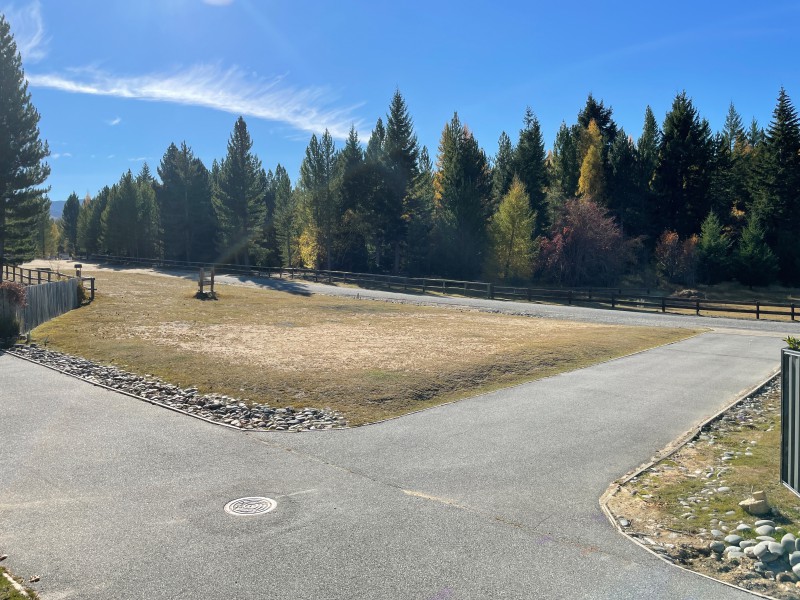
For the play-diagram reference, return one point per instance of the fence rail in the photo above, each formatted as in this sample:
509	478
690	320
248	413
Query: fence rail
30	277
630	298
48	294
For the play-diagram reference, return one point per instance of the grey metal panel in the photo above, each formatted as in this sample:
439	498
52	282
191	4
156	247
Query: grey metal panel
790	419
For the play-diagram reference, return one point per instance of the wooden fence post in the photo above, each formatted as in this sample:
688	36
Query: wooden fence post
200	280
612	300
792	312
569	297
490	291
697	307
758	310
663	304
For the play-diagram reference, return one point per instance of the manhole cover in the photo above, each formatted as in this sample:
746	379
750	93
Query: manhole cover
249	507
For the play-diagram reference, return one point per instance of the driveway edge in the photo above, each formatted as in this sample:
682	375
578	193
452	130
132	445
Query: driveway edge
664	454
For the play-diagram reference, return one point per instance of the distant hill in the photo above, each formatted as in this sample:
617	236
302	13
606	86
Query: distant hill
56	208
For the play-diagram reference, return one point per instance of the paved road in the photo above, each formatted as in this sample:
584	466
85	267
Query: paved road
492	497
549	311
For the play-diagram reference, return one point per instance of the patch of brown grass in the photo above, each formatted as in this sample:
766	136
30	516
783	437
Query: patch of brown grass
371	360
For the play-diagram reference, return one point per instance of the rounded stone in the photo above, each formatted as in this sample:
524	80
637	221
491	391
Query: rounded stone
743	527
717	533
760	549
733	539
746	544
775	548
794	558
765	530
718	547
796	569
765	522
736	555
765	538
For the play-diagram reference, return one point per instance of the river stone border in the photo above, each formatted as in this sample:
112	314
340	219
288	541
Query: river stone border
215	408
620	523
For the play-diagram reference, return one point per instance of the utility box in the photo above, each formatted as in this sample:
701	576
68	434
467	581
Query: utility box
790	419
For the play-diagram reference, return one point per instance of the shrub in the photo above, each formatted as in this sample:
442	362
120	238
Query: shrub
9	331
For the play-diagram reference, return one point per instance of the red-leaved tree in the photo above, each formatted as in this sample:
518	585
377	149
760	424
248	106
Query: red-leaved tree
585	247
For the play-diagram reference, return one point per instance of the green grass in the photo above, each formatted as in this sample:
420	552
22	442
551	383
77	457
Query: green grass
9	592
370	360
761	471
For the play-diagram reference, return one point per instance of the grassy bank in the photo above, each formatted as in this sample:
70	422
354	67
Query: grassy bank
369	360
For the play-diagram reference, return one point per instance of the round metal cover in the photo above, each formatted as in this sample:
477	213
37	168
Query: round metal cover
250	507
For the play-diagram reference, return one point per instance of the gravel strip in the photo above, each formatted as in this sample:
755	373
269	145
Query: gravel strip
218	408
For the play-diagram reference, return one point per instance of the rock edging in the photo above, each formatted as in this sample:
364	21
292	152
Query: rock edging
214	408
620	523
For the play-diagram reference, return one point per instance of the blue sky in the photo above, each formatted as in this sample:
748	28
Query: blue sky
117	81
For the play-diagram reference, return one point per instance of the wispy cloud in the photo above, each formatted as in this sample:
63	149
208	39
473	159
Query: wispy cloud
28	30
140	159
57	155
218	2
212	86
115	121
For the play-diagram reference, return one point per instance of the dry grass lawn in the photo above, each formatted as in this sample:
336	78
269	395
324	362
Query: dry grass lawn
370	360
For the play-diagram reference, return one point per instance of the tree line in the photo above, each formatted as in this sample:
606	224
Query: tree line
693	205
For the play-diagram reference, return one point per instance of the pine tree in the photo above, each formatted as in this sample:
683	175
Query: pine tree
375	192
119	218
185	206
779	204
597	112
502	170
530	165
683	176
463	196
713	250
22	170
148	235
350	244
286	218
69	223
421	218
565	161
625	197
239	196
511	235
317	183
401	153
646	163
755	262
90	222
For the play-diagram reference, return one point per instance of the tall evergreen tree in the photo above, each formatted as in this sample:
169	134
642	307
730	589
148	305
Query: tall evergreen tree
148	235
239	196
376	192
90	228
779	204
119	218
317	174
350	243
401	153
463	195
185	206
421	218
69	223
286	217
756	264
22	153
713	250
625	197
502	170
683	176
530	166
565	163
